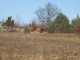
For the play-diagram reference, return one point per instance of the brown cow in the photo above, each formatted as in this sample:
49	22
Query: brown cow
32	29
41	29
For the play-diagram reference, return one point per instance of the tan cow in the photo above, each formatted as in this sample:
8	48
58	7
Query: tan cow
32	29
41	29
38	29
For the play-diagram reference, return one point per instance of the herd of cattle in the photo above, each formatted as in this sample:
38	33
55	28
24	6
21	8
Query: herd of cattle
38	29
32	29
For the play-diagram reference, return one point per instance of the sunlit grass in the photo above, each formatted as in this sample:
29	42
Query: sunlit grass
39	46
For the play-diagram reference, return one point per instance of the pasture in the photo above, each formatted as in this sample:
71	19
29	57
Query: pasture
39	46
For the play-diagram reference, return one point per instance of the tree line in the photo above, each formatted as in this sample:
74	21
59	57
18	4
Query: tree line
51	17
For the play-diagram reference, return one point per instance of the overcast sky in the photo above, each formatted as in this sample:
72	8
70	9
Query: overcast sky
23	10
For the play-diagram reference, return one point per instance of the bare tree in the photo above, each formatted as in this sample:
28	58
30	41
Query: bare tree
45	15
17	22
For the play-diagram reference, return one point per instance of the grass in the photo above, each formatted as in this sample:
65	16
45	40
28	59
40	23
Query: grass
39	46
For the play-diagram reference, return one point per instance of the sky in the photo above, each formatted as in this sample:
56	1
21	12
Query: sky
23	10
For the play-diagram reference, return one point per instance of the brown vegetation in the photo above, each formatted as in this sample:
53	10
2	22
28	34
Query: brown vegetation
11	29
77	30
19	46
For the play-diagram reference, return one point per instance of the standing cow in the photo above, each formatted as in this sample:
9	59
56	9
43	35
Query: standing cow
32	29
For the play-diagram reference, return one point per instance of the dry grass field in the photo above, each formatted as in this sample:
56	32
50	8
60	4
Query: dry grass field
39	46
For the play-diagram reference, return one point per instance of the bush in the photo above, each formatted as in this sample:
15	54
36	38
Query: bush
77	30
26	30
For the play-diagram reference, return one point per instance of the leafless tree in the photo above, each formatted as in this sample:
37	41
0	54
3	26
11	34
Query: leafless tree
46	15
17	21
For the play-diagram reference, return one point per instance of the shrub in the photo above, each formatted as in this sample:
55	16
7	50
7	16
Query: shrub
26	30
77	30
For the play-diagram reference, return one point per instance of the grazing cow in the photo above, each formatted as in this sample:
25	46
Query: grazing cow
41	29
32	29
38	29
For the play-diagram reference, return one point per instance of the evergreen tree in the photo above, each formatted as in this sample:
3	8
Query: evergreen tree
76	22
60	24
9	22
76	25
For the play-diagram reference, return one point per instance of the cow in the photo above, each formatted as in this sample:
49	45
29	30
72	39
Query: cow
32	29
41	29
36	28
